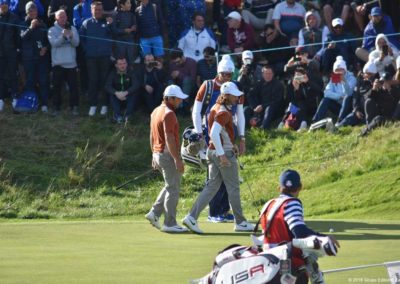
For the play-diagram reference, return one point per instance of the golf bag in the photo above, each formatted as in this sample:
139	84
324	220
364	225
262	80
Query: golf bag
250	265
192	145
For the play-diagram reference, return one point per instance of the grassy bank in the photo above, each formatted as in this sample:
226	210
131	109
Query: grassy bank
69	168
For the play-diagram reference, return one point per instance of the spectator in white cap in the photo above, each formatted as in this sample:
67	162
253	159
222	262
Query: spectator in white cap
384	55
222	161
205	99
338	42
338	93
164	143
249	73
378	24
240	35
361	93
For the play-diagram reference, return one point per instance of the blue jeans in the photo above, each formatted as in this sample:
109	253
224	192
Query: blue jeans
116	105
351	120
340	109
152	45
36	71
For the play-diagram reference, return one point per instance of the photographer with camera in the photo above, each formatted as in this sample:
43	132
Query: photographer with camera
385	54
361	93
381	105
64	40
153	80
249	73
303	93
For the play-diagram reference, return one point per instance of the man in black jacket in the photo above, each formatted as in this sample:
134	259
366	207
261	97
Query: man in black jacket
9	40
152	79
121	85
35	49
266	99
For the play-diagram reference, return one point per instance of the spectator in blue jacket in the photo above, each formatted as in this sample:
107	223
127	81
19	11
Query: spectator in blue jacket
82	12
338	93
35	53
96	34
379	24
150	27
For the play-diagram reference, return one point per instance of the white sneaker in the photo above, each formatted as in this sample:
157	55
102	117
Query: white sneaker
330	127
303	126
191	224
153	219
244	227
174	229
92	110
103	110
1	105
45	109
281	125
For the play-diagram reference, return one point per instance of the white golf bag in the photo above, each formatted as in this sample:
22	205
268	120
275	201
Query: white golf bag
247	265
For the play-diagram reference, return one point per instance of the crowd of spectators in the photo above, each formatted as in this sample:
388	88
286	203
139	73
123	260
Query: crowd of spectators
295	60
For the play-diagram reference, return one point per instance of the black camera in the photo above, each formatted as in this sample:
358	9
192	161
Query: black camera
67	26
385	49
153	64
297	59
197	53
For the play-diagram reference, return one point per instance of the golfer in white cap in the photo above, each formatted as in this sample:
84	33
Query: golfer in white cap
222	161
164	143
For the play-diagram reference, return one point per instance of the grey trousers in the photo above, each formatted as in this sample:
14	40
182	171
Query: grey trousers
217	174
168	197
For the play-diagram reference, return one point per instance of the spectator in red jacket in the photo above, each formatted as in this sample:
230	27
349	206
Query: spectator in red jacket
240	34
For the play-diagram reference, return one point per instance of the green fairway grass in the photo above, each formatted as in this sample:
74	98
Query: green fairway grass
126	251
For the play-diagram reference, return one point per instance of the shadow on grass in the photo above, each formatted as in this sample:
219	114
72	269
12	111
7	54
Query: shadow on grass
344	230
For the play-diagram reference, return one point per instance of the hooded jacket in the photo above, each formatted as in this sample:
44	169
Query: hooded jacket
370	31
375	55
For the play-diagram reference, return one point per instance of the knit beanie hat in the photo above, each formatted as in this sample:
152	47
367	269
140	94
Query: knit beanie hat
339	63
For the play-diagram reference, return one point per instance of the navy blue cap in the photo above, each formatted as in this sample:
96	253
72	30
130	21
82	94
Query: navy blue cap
376	11
290	179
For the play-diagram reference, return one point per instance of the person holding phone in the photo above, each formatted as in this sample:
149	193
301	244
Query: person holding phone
384	55
338	92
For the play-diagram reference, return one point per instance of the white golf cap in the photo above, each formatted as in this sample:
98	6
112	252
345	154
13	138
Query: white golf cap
174	91
370	67
247	54
234	15
337	22
230	88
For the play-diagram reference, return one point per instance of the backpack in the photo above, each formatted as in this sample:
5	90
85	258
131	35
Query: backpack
27	102
291	120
